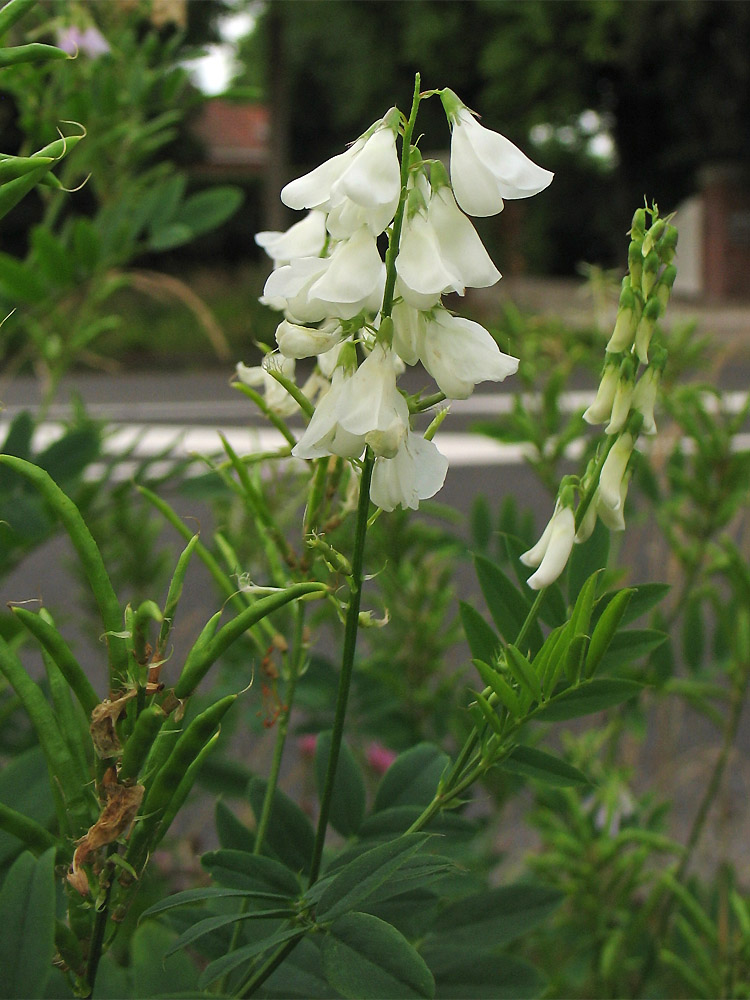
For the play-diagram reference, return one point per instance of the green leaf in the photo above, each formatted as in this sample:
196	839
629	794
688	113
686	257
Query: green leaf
593	696
289	836
19	282
300	976
483	642
154	974
202	928
605	630
254	872
208	209
587	558
643	598
365	958
493	680
86	245
228	963
24	785
190	897
359	879
174	234
485	921
507	605
412	779
481	977
534	763
231	831
27	912
523	672
630	645
349	797
693	634
395	821
51	258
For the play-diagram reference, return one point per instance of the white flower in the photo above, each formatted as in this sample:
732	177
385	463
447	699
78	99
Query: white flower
305	238
258	377
416	472
360	408
355	276
486	167
358	187
460	247
601	409
613	519
459	353
613	471
304	341
288	289
422	273
552	550
408	331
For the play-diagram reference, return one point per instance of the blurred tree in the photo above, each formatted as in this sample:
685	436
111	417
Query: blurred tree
670	81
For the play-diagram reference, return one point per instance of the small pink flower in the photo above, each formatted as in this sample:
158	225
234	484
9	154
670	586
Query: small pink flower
306	744
379	757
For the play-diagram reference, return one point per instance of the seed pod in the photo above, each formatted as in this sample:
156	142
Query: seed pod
204	653
166	781
140	741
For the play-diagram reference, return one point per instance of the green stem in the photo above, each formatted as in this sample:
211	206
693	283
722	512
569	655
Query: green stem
398	219
278	753
456	781
282	729
347	663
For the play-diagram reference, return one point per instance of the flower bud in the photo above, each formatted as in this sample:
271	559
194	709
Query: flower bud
610	480
622	337
651	313
635	262
650	273
297	341
646	390
614	519
638	226
667	245
664	285
601	409
559	542
623	397
653	236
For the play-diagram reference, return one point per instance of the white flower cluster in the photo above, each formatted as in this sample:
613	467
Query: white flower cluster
623	402
329	280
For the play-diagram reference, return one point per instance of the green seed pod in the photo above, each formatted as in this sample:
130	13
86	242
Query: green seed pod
167	780
205	653
140	741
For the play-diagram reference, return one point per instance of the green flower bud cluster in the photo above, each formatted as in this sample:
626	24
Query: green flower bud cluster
624	400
